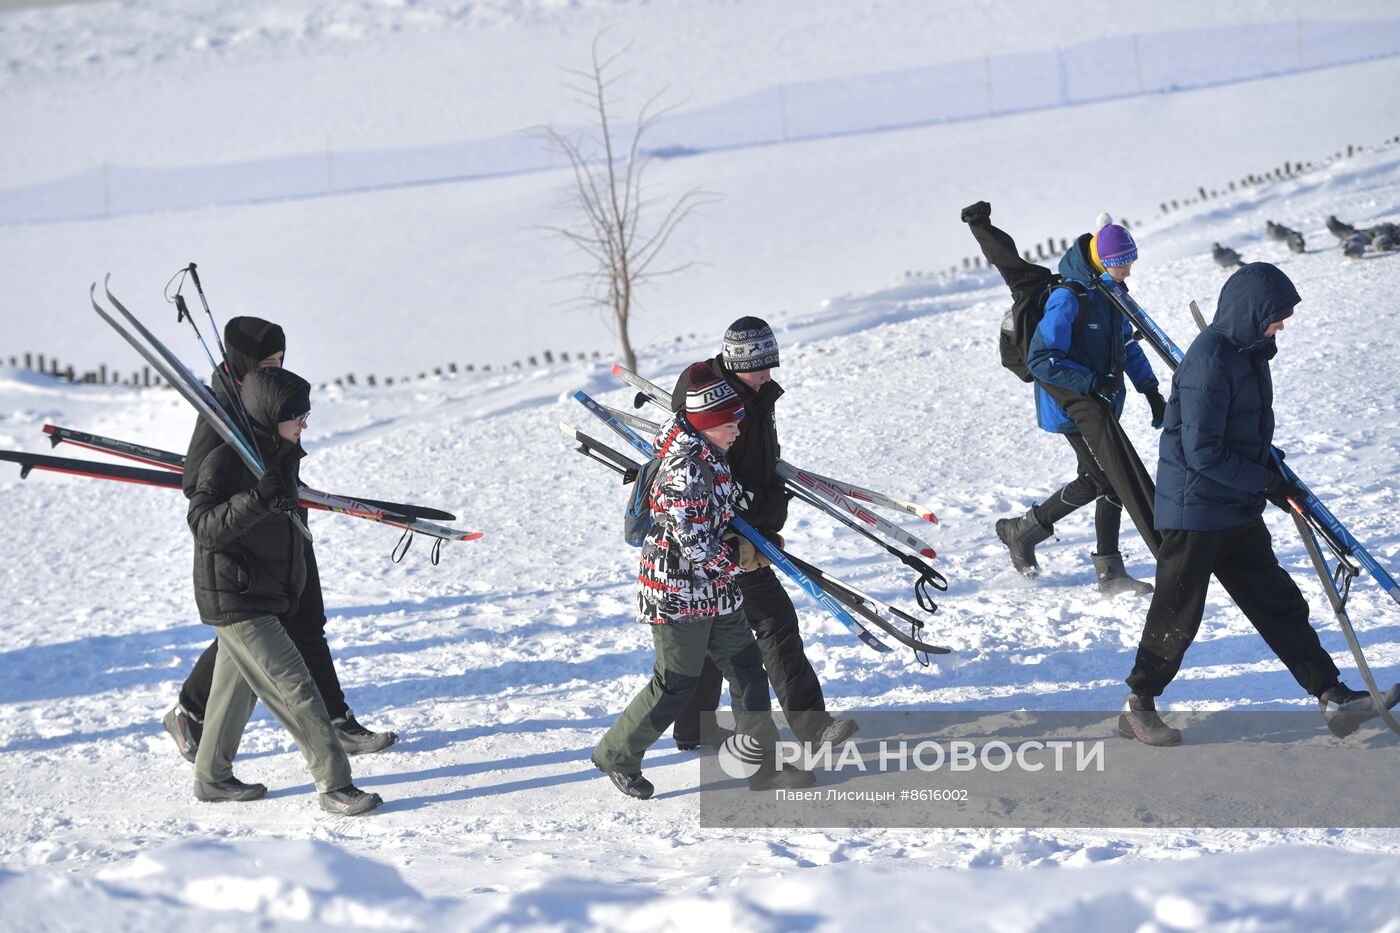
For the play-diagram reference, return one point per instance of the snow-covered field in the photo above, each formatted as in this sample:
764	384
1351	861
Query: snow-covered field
501	666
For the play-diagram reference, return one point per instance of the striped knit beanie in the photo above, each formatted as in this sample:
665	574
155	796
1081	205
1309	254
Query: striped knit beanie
749	345
1113	245
709	400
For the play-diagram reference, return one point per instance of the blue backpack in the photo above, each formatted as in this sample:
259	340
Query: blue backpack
637	522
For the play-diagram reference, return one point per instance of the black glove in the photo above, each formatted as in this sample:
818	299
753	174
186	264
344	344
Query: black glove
1279	490
270	488
1106	385
1159	406
978	213
1279	456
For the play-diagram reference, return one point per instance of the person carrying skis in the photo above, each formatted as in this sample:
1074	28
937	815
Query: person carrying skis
687	592
252	343
1079	353
1215	473
746	364
249	571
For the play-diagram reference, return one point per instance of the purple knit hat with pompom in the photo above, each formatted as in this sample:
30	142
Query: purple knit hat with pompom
1113	245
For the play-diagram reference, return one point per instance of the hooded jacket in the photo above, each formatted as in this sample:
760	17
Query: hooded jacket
1070	357
687	570
247	342
1214	450
249	559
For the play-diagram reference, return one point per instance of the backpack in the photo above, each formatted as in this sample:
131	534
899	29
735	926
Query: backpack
1023	317
637	521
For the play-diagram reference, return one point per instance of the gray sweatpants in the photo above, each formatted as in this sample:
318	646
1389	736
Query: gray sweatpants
258	660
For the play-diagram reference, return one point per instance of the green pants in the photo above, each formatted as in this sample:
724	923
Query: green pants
681	649
257	660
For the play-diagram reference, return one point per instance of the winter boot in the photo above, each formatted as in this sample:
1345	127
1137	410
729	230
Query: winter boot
1139	720
223	791
1114	579
1346	709
356	739
837	732
785	779
185	730
633	785
1021	535
349	801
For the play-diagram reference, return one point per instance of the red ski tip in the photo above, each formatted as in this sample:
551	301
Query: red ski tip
928	552
473	536
49	429
617	369
929	517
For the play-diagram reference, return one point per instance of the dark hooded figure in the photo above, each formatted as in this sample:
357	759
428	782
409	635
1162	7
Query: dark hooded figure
253	344
249	570
1215	473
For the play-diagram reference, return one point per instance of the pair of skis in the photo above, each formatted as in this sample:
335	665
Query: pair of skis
843	501
1314	521
233	430
838	598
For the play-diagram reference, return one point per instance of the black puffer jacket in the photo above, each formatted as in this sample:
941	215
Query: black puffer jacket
248	341
249	559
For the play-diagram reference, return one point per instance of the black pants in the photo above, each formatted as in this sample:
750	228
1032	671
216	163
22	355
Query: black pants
773	619
1242	559
1109	447
1091	484
307	627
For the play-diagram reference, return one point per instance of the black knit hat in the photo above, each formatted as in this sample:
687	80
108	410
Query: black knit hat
250	340
749	345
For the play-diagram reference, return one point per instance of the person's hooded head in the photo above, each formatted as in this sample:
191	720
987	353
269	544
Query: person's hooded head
248	341
273	396
1255	297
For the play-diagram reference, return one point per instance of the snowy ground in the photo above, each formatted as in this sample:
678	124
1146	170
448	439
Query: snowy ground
502	665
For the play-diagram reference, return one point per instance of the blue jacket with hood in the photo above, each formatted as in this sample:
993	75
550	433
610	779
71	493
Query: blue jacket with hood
1220	417
1070	360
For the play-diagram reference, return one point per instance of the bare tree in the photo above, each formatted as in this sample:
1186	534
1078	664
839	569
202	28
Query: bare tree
609	190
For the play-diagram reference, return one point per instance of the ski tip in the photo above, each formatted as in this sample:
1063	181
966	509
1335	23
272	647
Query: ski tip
928	552
472	536
930	518
49	429
617	369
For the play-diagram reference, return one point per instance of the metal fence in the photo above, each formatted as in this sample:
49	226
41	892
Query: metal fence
1098	70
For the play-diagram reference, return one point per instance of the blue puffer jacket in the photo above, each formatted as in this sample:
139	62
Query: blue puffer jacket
1104	344
1220	417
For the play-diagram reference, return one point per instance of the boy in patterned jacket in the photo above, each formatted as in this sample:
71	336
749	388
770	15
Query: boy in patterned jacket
688	594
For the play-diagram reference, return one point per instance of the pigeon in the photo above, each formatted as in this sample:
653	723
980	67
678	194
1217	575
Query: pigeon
1381	230
1354	246
1338	229
1276	231
1383	243
1225	256
1295	242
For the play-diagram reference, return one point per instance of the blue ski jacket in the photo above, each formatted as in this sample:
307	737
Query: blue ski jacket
1214	450
1061	357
